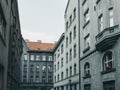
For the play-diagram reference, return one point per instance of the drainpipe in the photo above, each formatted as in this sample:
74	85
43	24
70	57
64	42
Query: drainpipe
79	44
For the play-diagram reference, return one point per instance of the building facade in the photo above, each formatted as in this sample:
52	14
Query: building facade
37	66
10	45
99	43
66	52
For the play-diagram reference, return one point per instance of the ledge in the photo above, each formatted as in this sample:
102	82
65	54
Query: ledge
97	1
67	78
86	49
108	71
87	76
86	24
84	2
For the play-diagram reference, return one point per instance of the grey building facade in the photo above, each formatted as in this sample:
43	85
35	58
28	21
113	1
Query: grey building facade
66	53
37	66
99	44
10	45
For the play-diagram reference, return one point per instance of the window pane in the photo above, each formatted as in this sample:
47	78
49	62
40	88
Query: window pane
111	17
31	57
44	58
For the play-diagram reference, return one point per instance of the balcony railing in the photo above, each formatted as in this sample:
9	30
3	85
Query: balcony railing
107	37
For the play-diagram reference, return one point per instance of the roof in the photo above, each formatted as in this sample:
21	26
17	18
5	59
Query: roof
40	46
67	6
59	41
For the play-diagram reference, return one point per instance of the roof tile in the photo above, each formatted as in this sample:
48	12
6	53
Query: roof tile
40	46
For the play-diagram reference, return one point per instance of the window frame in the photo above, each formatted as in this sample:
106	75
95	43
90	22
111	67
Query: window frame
100	23
111	16
87	69
106	62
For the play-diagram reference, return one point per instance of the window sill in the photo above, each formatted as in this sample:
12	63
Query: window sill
108	71
87	76
86	23
86	49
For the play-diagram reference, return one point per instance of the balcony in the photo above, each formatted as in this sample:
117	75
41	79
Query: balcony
107	38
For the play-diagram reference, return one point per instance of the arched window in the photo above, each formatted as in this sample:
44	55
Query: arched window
108	61
87	69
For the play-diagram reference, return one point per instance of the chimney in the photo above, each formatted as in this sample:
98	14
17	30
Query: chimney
39	41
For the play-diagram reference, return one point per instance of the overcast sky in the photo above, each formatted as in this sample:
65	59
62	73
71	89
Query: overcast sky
42	19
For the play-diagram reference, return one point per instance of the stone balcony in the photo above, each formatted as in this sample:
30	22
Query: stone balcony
107	38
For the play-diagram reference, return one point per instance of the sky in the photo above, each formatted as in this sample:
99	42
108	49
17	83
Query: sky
42	19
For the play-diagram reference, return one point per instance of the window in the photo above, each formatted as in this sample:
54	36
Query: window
37	68
49	68
24	79
25	56
75	86
66	57
1	77
31	79
111	17
75	69
61	48
109	85
37	57
86	16
87	69
87	41
62	62
67	42
43	79
44	69
58	77
44	58
2	25
70	37
108	61
50	79
58	53
32	57
100	23
55	57
74	12
37	79
87	87
99	6
62	76
55	68
66	25
70	19
66	73
70	71
74	32
75	50
55	79
50	58
31	68
66	87
70	54
58	65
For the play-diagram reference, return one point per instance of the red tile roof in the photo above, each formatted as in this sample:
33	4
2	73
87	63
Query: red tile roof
40	46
